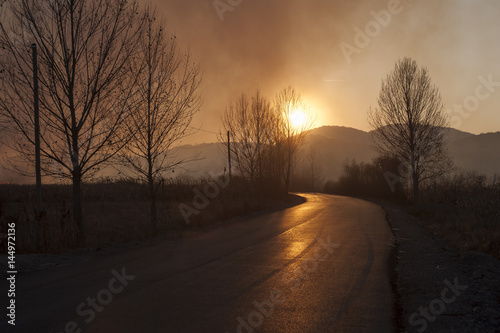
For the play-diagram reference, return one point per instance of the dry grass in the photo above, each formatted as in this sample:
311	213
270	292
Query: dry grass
51	230
464	209
114	213
462	228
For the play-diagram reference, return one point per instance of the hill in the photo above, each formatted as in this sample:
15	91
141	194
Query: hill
336	145
333	146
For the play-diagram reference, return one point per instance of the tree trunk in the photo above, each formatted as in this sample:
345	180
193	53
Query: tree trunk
288	168
414	174
77	206
416	194
152	195
287	177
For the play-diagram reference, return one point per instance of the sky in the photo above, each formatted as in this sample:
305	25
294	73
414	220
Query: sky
336	53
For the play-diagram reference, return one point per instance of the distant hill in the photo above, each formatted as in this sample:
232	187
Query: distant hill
455	135
478	152
209	159
335	145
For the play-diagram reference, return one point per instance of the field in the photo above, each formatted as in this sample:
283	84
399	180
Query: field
465	211
117	212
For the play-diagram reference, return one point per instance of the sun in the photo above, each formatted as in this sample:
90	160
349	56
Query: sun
298	118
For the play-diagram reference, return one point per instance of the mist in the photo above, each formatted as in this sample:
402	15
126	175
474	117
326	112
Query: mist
273	44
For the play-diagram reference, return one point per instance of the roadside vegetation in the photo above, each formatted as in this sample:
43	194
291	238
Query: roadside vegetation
463	207
414	170
88	85
117	211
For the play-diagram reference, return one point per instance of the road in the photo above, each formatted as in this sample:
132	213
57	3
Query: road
321	266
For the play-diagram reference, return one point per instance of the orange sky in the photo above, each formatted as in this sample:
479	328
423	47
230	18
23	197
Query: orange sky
274	43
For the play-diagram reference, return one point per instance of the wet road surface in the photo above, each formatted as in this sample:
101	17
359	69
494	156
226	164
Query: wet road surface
321	266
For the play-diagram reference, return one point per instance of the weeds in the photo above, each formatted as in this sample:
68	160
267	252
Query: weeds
463	208
116	211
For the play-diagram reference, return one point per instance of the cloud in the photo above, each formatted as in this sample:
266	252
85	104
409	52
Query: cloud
271	44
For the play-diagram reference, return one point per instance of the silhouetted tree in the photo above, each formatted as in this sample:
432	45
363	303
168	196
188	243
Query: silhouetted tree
289	135
409	122
368	179
265	140
164	104
84	48
249	121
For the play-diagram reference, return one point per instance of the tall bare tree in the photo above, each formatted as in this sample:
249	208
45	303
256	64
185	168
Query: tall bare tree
410	123
290	133
84	51
249	121
165	103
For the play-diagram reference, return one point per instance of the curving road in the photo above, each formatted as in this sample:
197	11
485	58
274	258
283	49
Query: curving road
321	266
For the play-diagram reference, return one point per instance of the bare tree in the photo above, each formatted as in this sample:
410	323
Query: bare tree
165	103
249	122
84	51
265	139
290	132
313	166
409	122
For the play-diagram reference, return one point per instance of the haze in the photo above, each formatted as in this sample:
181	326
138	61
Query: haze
272	44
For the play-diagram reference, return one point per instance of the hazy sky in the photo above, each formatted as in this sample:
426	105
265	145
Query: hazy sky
270	44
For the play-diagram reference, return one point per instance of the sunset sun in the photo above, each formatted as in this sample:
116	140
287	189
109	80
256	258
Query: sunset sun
297	118
220	163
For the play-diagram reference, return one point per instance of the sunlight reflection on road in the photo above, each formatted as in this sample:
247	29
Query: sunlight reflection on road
295	248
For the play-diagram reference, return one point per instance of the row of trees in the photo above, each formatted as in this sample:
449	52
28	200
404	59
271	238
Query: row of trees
370	179
112	85
265	137
408	132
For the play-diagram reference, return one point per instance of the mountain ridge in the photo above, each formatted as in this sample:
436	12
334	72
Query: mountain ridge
335	145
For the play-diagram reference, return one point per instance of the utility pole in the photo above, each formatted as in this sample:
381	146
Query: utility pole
229	161
37	133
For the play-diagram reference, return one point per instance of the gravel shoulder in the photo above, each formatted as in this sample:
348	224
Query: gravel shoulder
439	288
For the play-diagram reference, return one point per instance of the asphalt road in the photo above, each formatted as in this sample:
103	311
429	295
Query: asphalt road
321	266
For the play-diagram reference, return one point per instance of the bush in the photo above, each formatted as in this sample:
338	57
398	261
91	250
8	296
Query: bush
466	190
369	180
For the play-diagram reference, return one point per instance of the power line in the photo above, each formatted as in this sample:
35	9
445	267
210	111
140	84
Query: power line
199	129
195	146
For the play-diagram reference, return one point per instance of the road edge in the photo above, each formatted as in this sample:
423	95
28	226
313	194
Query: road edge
423	264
